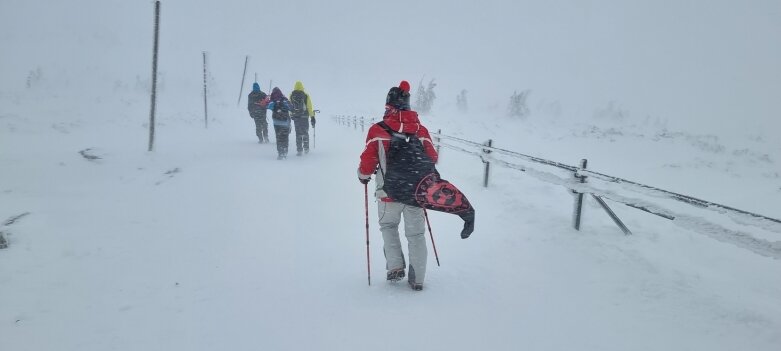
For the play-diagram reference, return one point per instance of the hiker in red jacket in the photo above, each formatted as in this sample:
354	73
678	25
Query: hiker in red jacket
402	123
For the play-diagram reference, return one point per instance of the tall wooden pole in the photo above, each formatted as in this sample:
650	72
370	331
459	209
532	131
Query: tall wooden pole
243	76
154	78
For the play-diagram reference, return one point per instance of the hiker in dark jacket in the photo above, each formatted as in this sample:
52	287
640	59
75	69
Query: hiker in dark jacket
256	104
398	119
280	116
301	114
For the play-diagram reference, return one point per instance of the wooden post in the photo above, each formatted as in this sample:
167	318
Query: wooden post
578	209
154	78
3	242
612	215
487	164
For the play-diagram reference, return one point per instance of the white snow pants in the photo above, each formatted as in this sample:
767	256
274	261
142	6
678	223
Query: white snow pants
390	214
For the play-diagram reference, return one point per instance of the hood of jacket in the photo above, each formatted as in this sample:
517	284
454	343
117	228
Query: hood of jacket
402	121
277	95
299	86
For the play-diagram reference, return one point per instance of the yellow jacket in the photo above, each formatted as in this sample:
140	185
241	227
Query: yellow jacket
300	86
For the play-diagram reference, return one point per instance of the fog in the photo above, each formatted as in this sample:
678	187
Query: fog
695	64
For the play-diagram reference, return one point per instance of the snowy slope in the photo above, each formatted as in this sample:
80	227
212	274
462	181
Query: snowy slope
210	243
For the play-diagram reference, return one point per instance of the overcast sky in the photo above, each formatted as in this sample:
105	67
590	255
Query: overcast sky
692	62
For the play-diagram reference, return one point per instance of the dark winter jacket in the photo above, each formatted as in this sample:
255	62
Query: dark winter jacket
257	101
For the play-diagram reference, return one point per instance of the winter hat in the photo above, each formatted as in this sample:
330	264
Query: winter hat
397	98
404	86
255	87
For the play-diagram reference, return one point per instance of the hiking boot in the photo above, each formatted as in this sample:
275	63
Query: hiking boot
415	286
280	157
299	153
306	151
395	275
411	280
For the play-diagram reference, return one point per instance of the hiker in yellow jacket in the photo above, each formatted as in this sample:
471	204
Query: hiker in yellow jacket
301	114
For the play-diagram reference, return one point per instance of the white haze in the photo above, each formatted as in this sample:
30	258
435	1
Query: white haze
703	65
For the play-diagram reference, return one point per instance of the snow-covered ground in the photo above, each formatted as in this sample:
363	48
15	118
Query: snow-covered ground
209	242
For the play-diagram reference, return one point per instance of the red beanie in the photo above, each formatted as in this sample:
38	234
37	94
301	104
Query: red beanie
404	86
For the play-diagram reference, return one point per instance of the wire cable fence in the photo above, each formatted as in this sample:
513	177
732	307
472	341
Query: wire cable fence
581	181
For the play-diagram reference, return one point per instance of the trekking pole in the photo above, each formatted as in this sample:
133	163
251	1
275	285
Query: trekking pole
432	236
314	131
366	207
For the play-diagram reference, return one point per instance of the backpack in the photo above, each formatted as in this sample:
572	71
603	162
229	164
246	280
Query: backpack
254	100
407	164
281	110
411	178
298	100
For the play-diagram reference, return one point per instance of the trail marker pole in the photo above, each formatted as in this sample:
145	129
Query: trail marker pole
243	75
154	78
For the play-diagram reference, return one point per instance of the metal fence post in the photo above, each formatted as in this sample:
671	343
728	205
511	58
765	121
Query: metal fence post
578	209
487	164
362	125
438	139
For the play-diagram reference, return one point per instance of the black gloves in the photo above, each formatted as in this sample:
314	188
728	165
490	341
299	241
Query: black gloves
364	181
313	121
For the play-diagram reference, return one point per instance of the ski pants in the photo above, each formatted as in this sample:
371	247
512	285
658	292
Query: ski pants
302	133
261	125
390	214
282	132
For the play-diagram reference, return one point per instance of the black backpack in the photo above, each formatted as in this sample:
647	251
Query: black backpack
298	100
281	111
407	164
254	98
412	179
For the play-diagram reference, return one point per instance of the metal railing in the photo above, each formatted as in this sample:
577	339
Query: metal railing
580	181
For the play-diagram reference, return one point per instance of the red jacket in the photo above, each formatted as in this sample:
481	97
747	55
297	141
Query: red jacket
398	120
